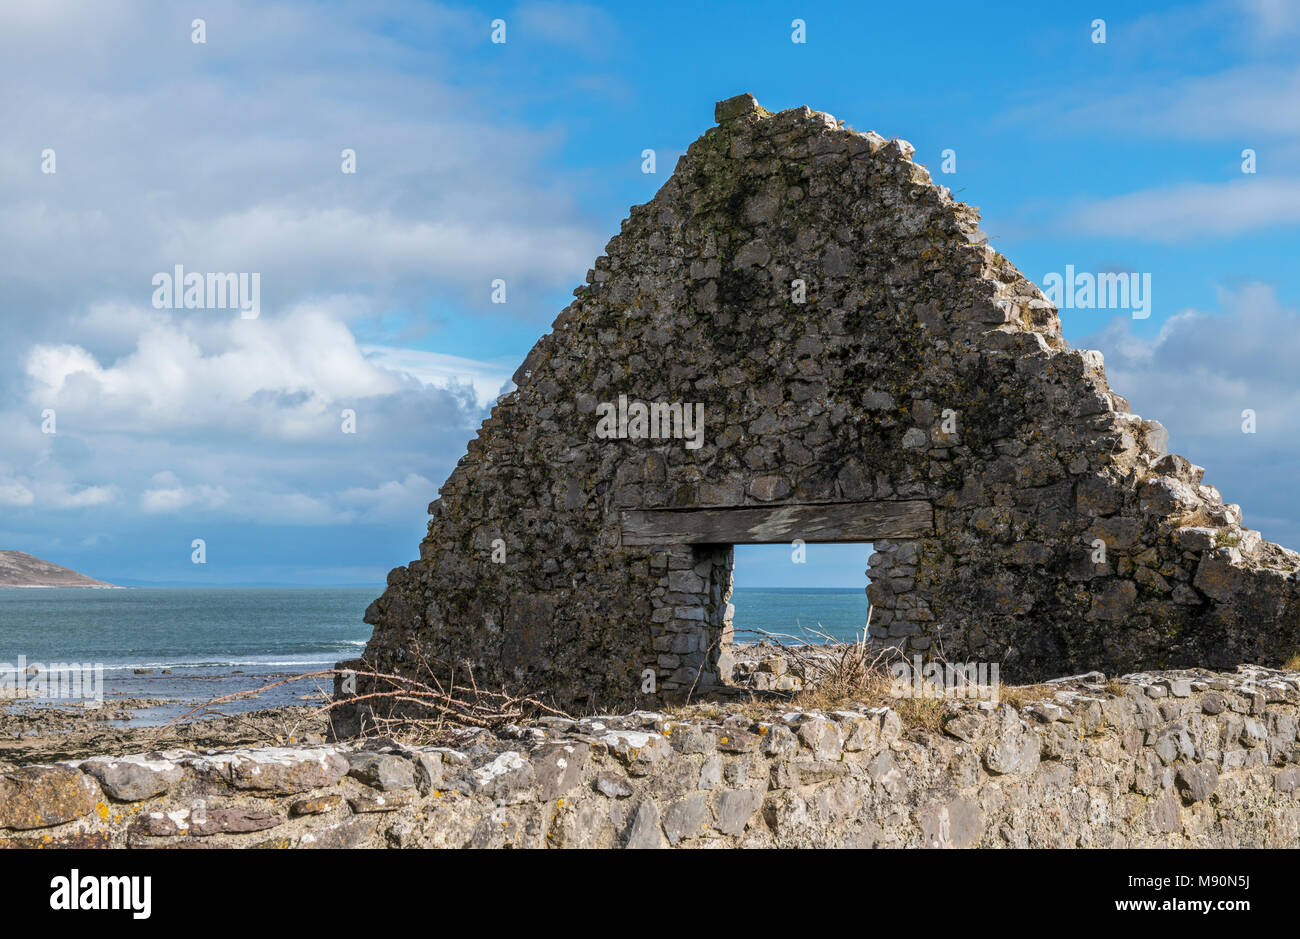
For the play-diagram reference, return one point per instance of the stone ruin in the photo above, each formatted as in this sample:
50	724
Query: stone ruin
869	369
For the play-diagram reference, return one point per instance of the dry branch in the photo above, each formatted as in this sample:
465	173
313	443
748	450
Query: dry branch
430	707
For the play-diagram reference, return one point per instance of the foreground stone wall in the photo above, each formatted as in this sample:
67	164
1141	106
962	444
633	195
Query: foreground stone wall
1170	759
918	366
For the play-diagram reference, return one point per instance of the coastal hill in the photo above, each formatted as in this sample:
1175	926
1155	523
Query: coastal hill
22	570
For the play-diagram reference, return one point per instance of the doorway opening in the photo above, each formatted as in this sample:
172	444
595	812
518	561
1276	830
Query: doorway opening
693	635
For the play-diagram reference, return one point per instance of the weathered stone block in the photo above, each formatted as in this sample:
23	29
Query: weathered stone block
735	808
316	805
376	801
41	796
133	778
276	769
384	771
1196	782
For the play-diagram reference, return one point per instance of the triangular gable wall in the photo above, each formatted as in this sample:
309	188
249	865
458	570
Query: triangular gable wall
917	393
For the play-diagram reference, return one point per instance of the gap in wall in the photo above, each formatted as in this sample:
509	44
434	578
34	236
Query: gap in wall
795	591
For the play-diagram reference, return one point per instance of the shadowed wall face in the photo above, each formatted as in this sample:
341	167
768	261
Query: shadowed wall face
803	337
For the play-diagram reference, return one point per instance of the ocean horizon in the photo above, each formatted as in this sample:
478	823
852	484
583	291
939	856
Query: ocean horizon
214	641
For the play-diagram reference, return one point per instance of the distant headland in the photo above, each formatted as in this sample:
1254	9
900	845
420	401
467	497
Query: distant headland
18	569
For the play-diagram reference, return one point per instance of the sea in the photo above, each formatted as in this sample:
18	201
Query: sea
792	615
193	644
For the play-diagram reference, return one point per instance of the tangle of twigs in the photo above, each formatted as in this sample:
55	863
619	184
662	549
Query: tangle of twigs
398	706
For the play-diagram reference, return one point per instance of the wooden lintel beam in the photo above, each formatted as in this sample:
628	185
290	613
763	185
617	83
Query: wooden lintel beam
821	523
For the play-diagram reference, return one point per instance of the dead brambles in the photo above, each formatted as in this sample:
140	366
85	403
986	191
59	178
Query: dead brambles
830	674
1018	696
399	707
1117	688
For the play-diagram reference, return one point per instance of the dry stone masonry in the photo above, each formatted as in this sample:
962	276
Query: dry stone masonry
869	369
1182	758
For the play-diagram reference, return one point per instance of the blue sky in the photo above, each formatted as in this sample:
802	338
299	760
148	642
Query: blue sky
518	160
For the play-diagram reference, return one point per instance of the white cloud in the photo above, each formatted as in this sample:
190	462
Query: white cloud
1249	104
392	500
443	371
212	369
13	492
175	498
1176	75
52	494
242	418
1272	19
306	243
1200	373
447	195
1206	367
81	498
586	28
226	157
1192	211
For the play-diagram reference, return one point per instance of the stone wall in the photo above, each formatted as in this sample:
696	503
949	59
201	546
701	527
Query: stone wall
1171	759
917	365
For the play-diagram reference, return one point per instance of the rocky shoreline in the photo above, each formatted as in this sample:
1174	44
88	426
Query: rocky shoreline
1177	758
48	734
